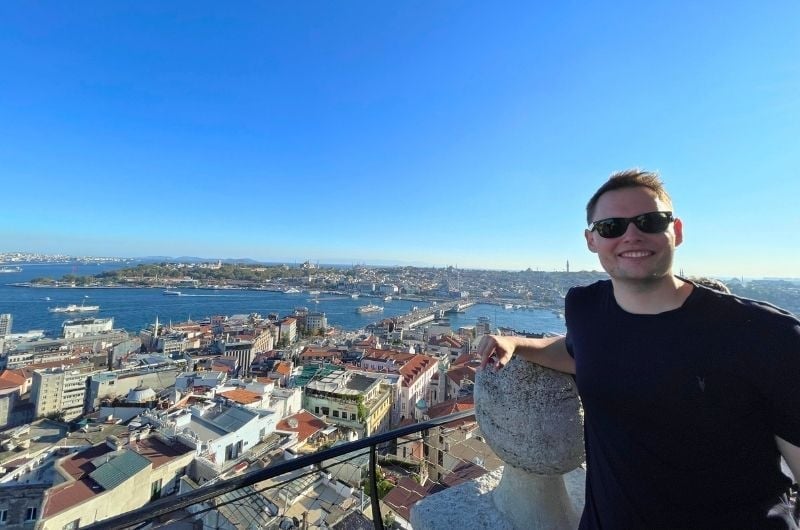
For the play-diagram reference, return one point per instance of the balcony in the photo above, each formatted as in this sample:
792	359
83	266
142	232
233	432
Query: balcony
347	482
440	473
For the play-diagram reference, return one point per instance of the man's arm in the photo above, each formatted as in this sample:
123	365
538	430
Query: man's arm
790	453
550	352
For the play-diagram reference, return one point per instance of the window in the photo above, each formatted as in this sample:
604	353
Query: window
325	411
72	525
3	516
353	416
30	514
335	413
155	490
440	458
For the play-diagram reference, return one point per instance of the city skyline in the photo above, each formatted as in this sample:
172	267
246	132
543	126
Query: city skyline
445	134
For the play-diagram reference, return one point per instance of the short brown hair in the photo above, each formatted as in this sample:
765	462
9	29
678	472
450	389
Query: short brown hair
630	178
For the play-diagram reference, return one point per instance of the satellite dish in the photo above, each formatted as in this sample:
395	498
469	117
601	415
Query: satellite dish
292	423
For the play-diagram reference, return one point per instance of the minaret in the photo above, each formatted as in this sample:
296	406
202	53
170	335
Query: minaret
567	265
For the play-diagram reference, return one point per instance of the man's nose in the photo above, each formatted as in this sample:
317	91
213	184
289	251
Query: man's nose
632	232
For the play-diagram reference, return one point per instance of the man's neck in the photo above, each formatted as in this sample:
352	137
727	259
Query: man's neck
651	297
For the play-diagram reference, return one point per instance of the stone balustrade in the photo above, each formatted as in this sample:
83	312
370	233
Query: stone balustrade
532	418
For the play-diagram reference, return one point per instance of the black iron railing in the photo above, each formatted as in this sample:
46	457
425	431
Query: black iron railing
168	505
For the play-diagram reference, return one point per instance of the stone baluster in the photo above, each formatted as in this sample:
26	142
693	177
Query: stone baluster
531	417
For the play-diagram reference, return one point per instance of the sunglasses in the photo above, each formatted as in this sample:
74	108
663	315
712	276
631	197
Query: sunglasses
649	223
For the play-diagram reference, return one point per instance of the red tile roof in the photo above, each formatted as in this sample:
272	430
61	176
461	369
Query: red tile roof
283	368
245	397
464	358
11	377
415	367
307	425
451	407
405	495
459	373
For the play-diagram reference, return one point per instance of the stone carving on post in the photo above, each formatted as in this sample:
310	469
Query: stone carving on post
532	418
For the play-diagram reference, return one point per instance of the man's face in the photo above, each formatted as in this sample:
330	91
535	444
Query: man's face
635	255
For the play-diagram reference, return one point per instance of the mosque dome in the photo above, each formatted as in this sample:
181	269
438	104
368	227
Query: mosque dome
141	394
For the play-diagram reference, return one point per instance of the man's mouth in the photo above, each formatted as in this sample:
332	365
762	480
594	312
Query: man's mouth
636	254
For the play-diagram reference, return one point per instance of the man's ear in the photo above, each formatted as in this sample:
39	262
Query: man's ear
677	226
590	240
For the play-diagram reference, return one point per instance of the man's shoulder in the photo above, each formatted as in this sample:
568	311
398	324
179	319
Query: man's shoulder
598	288
735	307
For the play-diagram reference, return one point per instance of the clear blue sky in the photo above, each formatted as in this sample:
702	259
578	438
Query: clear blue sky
463	133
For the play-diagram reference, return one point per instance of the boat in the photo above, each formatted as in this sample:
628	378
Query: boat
508	306
313	293
74	308
369	308
171	293
354	296
47	298
387	298
10	269
291	290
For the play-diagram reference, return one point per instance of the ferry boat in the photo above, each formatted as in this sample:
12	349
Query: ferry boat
74	308
171	293
369	308
10	269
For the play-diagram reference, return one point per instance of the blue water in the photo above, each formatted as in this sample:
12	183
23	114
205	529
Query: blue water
133	309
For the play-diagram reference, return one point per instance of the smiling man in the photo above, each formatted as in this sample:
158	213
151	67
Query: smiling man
690	396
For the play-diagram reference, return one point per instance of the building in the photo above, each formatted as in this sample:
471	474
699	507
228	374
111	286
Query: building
243	352
416	371
5	324
111	478
451	446
265	340
358	401
73	329
117	384
23	358
60	390
288	330
222	433
316	321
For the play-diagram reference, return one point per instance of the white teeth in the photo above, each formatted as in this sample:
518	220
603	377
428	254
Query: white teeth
635	254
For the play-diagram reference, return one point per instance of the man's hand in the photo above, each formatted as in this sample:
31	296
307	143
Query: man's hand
551	352
496	351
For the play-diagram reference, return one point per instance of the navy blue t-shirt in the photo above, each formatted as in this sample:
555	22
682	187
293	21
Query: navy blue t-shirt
681	408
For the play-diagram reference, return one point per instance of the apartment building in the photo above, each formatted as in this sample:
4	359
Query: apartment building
61	389
358	401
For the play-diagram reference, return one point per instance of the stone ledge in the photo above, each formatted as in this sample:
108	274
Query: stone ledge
470	506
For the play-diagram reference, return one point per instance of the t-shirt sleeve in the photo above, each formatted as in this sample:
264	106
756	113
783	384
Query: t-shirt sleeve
568	315
774	370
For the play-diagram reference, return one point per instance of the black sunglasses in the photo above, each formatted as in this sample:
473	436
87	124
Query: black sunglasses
649	223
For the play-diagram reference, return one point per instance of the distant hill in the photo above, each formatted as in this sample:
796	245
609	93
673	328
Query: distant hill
195	259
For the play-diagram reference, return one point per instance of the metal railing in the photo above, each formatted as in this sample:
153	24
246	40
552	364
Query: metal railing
168	505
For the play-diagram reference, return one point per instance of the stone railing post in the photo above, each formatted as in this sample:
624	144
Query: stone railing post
531	417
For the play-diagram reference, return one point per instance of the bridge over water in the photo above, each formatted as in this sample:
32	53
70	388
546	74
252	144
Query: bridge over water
421	316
